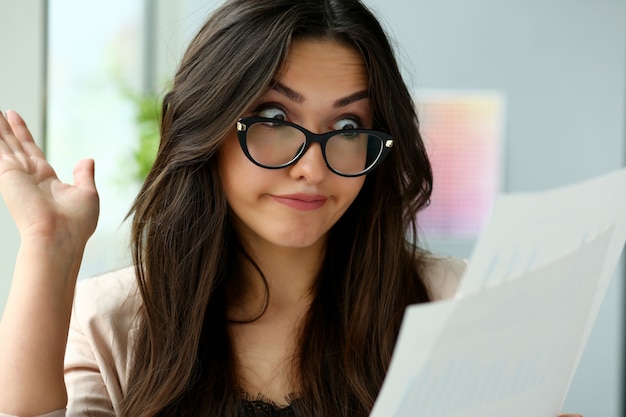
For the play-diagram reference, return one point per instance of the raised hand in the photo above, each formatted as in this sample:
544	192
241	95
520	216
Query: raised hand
54	220
40	204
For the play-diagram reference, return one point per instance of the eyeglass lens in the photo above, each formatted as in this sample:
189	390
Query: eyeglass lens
275	145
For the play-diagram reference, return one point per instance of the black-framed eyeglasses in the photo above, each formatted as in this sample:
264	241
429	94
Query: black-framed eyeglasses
274	144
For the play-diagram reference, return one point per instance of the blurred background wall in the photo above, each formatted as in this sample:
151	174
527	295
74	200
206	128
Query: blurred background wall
22	73
560	66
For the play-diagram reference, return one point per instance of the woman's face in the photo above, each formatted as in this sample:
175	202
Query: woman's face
322	86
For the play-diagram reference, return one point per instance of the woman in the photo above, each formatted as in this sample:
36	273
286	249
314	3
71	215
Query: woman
271	264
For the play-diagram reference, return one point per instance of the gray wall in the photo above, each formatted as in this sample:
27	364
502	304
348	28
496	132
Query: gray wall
562	67
21	89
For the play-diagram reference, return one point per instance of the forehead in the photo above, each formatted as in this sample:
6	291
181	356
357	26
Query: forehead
311	63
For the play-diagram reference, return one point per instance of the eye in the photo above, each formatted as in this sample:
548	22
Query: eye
272	113
346	123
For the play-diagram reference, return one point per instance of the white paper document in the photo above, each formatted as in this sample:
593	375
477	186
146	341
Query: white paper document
509	342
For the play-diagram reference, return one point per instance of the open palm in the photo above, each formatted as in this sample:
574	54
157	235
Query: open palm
40	204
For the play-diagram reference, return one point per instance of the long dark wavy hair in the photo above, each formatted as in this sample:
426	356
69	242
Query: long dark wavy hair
185	249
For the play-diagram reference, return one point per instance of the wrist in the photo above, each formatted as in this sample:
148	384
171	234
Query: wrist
62	248
49	264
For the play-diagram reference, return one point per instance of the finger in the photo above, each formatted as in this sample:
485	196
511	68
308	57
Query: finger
7	136
84	174
21	131
4	125
17	124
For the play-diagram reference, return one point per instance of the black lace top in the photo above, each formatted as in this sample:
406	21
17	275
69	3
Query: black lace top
264	408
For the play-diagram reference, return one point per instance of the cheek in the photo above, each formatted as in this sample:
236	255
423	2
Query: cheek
243	182
232	164
229	152
350	189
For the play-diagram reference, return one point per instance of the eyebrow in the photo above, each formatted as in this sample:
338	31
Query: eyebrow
299	98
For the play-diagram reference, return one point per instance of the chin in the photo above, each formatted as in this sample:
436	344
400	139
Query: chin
292	240
297	244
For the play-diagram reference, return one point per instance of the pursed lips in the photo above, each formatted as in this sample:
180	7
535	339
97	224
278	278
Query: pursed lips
303	202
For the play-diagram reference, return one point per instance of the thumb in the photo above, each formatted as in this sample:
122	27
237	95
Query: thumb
84	174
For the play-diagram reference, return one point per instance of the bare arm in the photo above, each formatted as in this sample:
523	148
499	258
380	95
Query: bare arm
54	221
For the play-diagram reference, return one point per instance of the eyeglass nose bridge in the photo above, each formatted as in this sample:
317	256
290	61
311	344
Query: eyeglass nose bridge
309	139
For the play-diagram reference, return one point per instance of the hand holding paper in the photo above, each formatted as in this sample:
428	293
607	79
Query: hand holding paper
509	343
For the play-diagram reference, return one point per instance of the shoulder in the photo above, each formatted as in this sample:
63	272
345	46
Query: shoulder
442	275
110	295
106	306
99	346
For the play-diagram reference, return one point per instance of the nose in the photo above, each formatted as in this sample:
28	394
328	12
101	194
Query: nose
311	166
